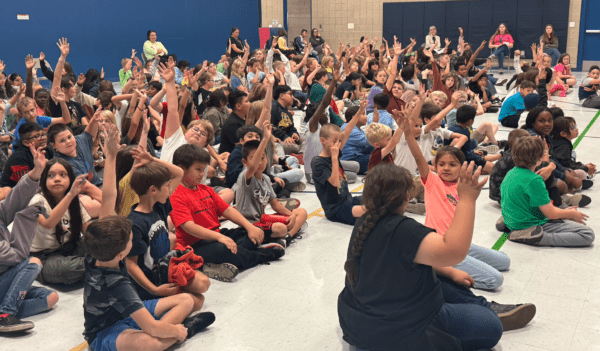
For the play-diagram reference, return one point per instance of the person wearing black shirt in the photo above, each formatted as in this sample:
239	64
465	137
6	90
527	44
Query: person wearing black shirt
237	47
238	100
393	297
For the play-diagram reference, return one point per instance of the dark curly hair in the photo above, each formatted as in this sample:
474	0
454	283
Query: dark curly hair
386	190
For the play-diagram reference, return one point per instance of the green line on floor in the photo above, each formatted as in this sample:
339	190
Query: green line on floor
500	242
586	130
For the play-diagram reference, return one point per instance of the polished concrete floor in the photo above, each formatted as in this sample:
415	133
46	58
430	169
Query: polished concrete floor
291	304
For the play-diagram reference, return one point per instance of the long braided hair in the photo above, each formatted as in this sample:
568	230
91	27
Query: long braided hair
386	190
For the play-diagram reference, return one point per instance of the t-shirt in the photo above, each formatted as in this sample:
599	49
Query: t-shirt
44	238
150	240
502	39
313	147
19	164
523	192
331	197
83	163
429	143
252	196
441	198
342	88
77	113
357	144
376	159
128	196
171	145
120	113
43	121
394	301
384	118
251	75
404	158
202	206
586	83
469	147
108	297
229	133
395	103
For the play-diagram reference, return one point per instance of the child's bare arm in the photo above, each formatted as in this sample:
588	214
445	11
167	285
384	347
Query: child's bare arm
458	140
279	208
158	328
350	126
254	162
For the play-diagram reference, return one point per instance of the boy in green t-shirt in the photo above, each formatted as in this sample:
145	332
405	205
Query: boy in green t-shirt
526	206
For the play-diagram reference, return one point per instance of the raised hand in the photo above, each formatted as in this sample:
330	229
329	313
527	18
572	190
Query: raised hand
337	75
469	186
141	156
64	47
171	62
267	127
81	79
482	44
59	96
413	42
112	141
461	31
3	66
168	74
270	79
139	63
246	47
102	73
77	185
29	63
397	49
335	149
447	41
39	162
133	52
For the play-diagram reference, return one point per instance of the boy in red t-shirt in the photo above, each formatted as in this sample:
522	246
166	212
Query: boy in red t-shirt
195	214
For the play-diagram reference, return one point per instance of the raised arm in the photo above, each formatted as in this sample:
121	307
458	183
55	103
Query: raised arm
173	123
254	162
29	64
109	190
64	52
313	124
265	114
350	126
394	71
66	115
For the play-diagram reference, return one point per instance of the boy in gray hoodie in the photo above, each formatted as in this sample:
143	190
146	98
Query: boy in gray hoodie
18	299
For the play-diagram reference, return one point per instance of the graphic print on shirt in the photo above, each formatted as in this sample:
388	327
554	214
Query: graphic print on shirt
438	142
343	180
263	197
158	245
451	199
18	172
285	121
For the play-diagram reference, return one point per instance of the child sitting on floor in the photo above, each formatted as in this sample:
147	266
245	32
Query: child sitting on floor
482	266
330	180
465	116
115	316
357	147
17	269
563	132
588	90
254	192
527	209
196	212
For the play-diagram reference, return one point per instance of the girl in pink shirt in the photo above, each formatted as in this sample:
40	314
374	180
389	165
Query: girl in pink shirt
481	268
564	70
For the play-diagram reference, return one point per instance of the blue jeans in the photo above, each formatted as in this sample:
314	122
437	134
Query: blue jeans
17	295
302	97
500	53
484	265
363	161
467	317
295	174
554	53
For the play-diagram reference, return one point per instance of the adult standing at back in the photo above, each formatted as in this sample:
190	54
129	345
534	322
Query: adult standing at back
237	47
317	41
432	40
550	42
501	43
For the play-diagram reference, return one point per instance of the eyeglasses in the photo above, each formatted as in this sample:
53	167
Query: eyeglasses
199	131
573	127
463	102
38	137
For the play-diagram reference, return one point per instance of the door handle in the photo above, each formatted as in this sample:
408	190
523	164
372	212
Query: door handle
594	31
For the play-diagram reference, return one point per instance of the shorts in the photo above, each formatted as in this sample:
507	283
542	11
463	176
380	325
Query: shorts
106	339
478	136
480	161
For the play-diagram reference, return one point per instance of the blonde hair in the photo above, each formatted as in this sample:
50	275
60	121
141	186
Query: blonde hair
208	127
124	62
254	112
440	95
326	61
109	116
376	132
235	69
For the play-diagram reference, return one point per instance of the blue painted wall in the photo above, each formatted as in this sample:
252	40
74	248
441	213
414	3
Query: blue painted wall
526	21
101	33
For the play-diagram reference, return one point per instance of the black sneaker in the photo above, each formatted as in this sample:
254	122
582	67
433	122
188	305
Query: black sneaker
586	184
502	143
224	272
577	200
11	324
198	323
501	83
270	252
514	316
291	239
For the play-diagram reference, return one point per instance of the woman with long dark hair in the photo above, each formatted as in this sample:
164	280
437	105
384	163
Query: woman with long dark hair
550	42
501	43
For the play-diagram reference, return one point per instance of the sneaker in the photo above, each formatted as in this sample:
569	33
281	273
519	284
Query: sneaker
501	83
586	184
491	57
514	316
270	252
501	71
290	204
418	208
224	272
577	200
501	226
296	186
530	236
291	239
198	323
11	324
281	241
489	148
